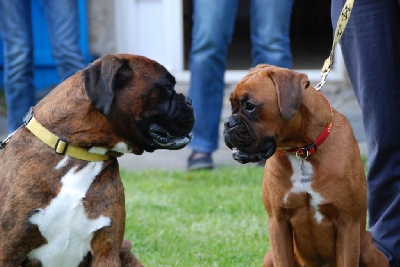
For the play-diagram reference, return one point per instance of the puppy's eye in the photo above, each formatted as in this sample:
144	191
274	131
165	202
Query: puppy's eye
249	107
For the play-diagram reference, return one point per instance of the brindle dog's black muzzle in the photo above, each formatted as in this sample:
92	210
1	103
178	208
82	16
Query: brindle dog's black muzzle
173	129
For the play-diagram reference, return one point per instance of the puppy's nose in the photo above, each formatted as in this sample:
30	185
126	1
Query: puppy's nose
230	123
188	100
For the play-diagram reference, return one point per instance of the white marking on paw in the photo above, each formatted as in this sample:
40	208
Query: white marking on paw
64	223
301	180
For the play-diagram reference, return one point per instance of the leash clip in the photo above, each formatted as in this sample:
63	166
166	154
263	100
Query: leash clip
28	116
5	141
324	74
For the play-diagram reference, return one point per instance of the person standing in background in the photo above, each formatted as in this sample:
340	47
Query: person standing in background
16	31
371	50
213	25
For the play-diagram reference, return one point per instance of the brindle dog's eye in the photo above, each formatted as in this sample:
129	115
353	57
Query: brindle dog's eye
249	107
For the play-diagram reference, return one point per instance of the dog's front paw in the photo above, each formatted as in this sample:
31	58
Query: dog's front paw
128	259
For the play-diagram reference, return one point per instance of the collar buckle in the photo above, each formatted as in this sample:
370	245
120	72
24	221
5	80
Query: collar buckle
61	146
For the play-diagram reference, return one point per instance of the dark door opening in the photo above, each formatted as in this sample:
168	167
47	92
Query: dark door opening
311	35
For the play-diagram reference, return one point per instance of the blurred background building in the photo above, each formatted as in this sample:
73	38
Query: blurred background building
161	30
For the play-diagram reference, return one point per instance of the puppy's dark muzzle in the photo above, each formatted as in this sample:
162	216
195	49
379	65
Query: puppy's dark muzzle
236	134
229	128
246	148
231	123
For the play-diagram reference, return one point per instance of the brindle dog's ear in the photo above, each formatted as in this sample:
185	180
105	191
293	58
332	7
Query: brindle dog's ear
102	77
289	85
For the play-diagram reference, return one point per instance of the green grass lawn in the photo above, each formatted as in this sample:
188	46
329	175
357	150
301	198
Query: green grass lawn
204	218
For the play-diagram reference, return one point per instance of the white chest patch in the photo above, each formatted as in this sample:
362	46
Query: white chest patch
63	222
301	180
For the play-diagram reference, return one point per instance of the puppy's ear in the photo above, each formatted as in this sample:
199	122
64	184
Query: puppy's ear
101	79
289	85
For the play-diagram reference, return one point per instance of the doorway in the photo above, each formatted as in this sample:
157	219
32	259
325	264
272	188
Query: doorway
311	35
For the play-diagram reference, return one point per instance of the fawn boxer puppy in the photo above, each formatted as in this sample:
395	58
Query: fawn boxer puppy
314	186
61	196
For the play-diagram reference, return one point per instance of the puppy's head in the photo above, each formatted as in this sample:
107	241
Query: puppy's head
263	103
137	97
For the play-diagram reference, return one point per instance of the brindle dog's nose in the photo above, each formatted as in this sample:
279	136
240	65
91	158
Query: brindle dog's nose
188	101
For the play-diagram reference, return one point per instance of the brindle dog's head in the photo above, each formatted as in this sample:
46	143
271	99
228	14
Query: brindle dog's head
263	103
137	97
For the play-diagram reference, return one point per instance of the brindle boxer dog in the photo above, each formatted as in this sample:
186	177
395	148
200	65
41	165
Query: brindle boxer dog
59	210
314	186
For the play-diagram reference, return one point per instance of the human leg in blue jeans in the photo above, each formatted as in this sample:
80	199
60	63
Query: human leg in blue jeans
270	32
63	24
213	25
371	50
16	30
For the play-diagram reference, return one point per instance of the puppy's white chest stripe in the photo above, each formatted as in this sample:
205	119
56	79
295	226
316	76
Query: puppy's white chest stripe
63	222
301	180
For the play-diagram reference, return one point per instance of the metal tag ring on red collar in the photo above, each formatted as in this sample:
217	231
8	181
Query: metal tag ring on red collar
300	158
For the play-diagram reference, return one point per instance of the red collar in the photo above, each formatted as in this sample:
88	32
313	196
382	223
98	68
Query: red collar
307	151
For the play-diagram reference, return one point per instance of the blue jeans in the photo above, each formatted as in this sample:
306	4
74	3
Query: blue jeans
371	50
16	30
213	25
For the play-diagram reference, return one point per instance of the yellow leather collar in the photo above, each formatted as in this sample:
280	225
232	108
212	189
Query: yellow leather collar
59	145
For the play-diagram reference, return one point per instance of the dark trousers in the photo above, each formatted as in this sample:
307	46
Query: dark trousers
371	50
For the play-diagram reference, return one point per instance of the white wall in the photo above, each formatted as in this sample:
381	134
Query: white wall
152	28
